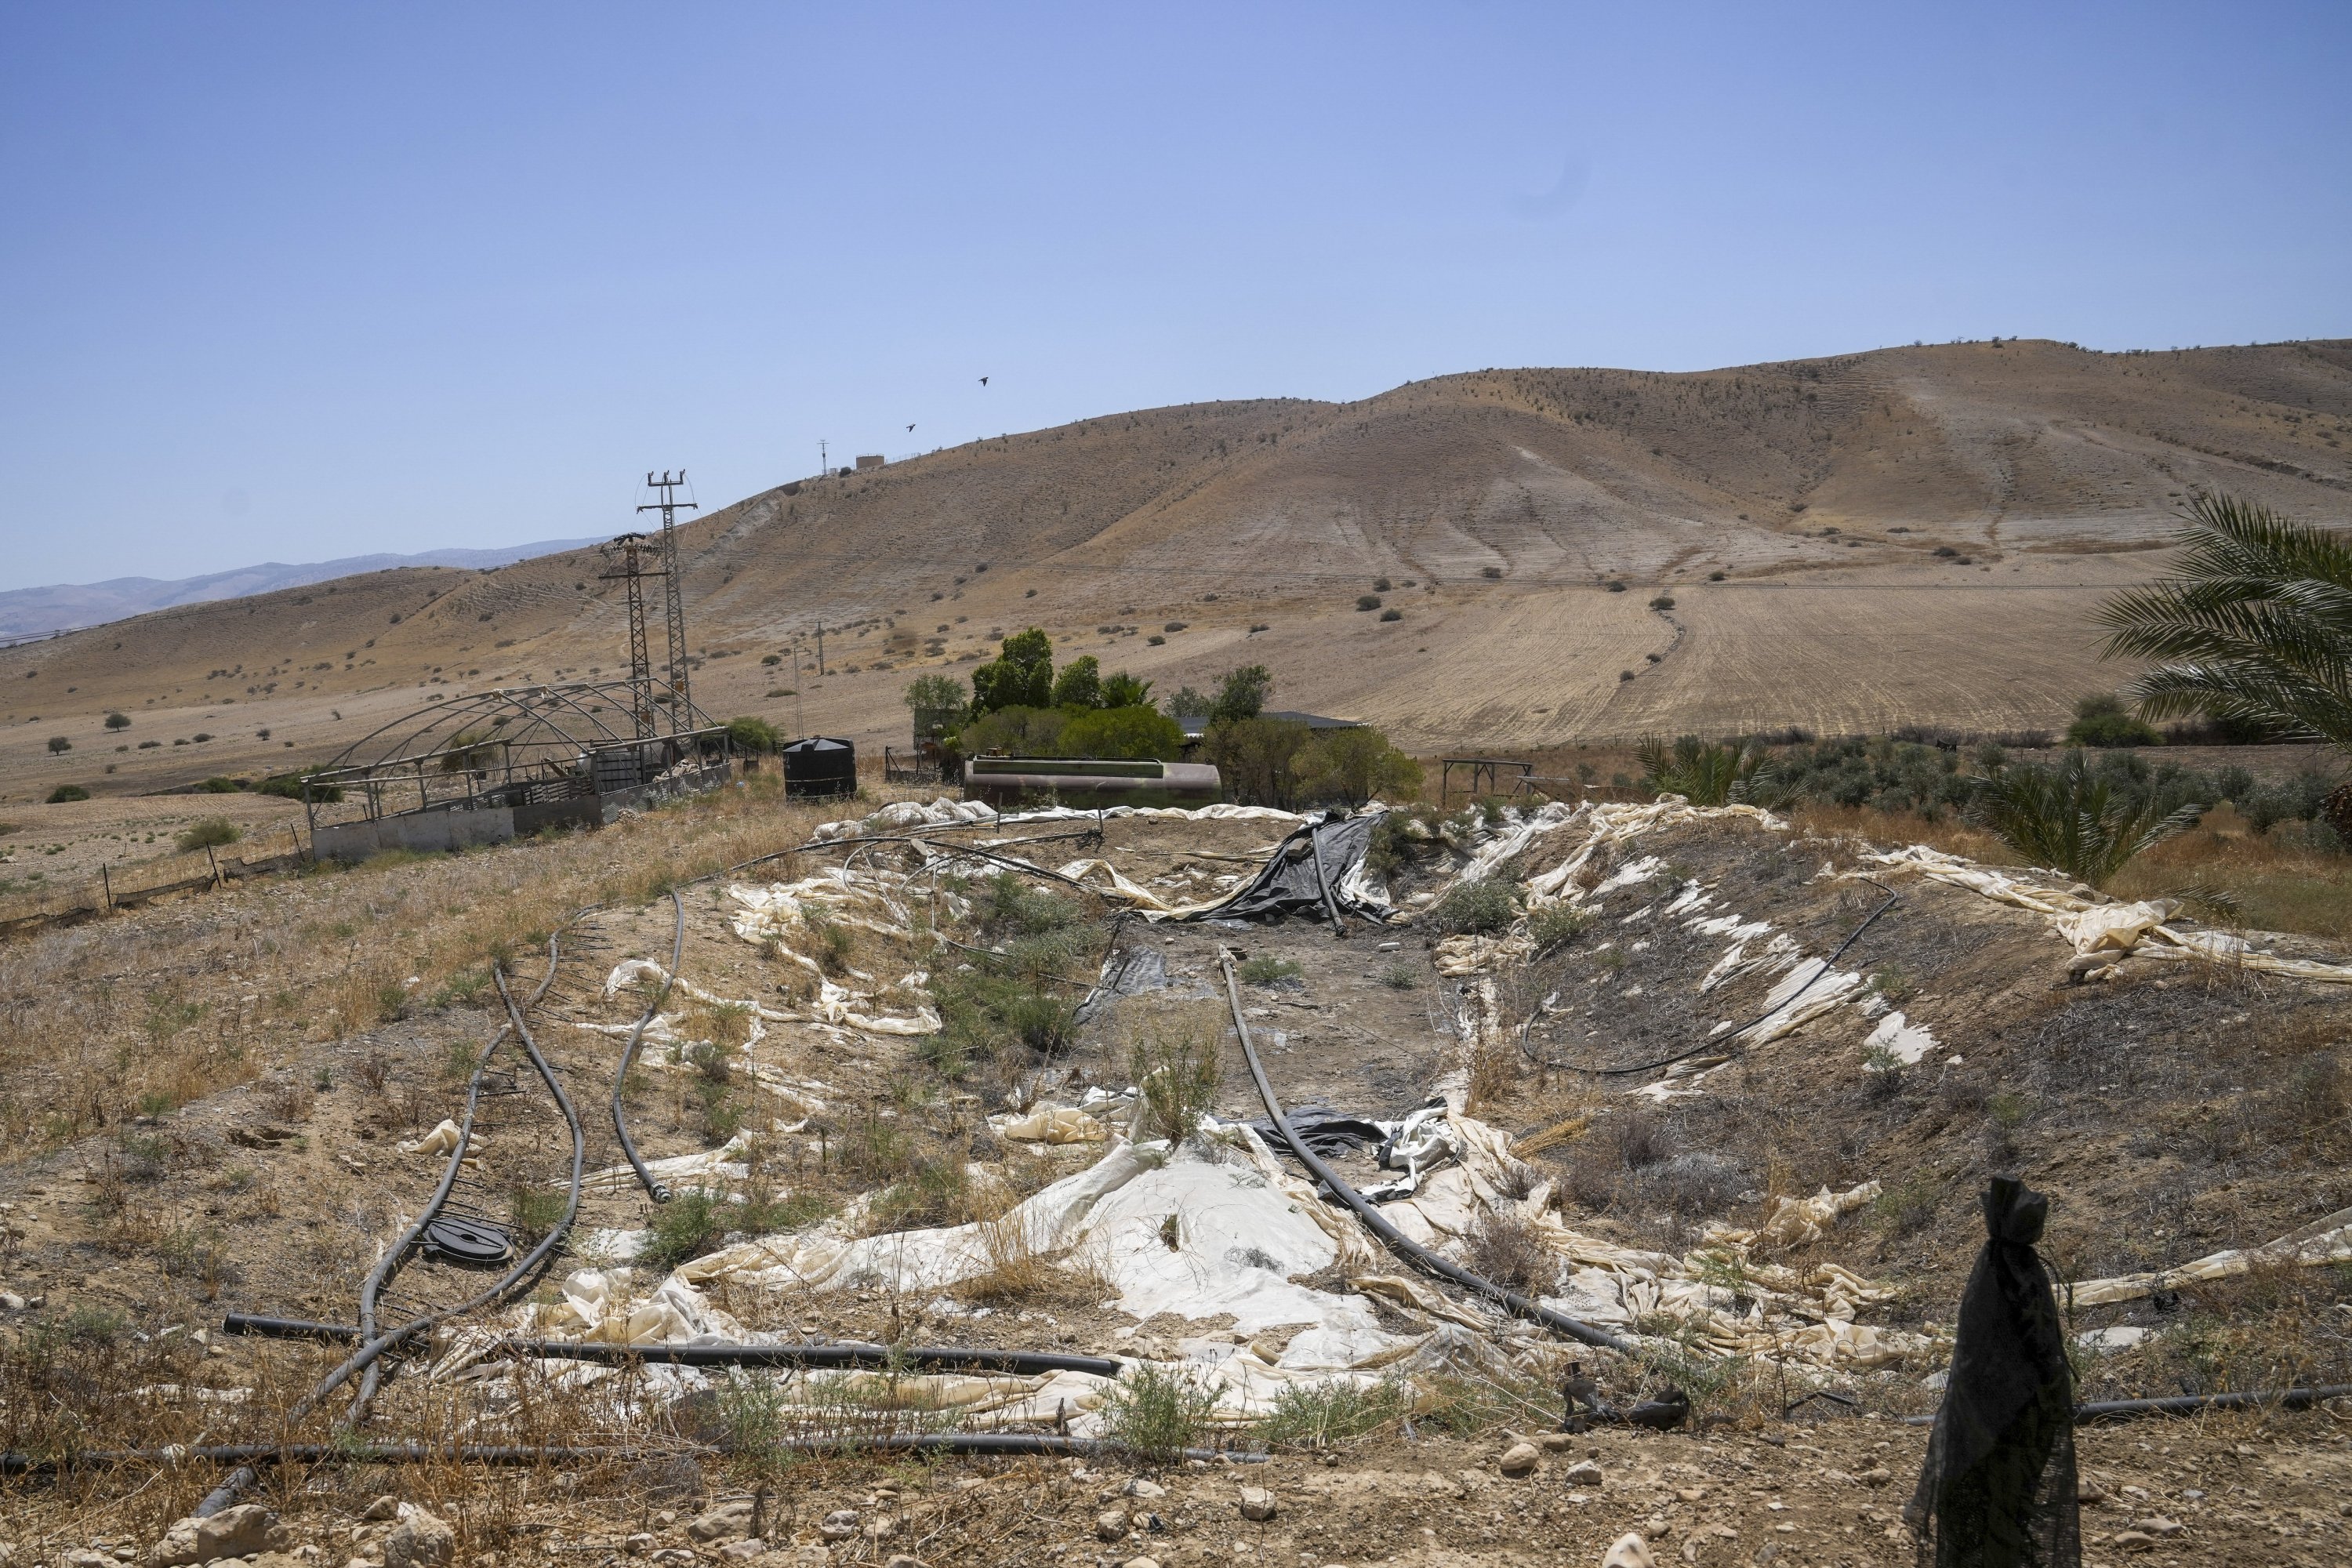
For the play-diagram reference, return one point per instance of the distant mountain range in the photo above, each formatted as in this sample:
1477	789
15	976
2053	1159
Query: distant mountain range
61	604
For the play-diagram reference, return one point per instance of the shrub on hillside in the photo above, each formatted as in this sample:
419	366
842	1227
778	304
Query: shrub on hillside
64	792
211	833
2101	721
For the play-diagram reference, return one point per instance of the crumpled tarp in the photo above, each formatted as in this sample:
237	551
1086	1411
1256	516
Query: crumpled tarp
2140	930
2322	1242
1290	884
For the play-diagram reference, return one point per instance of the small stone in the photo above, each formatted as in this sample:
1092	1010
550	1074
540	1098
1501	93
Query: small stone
1876	1475
383	1507
808	1554
882	1527
900	1559
1583	1473
668	1557
637	1546
1140	1563
1555	1442
419	1541
743	1551
727	1522
1143	1488
243	1531
2163	1529
2132	1540
1111	1525
1629	1551
1257	1504
839	1525
1520	1459
2088	1490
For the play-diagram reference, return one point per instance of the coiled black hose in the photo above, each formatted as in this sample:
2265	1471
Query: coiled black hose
1377	1223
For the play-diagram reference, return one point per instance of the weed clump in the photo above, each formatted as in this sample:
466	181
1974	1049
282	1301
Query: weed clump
1322	1416
1481	908
1157	1415
1266	970
1177	1075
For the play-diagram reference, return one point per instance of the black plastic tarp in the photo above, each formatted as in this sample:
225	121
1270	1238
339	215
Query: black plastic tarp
1289	882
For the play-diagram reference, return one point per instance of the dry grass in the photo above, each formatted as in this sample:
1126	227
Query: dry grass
147	1011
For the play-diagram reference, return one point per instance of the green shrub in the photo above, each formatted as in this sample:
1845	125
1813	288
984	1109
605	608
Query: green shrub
1352	767
211	833
1128	733
1014	731
1367	601
64	792
219	784
1481	908
690	1225
1264	971
60	743
118	720
1401	977
1079	685
1556	924
752	737
1177	1076
1257	759
1318	1415
2102	721
1157	1415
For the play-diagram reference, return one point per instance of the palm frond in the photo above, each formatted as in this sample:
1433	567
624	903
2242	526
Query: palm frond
2070	820
2256	624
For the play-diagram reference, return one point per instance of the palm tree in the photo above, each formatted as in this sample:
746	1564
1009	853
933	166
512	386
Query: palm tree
2256	625
2071	820
1705	775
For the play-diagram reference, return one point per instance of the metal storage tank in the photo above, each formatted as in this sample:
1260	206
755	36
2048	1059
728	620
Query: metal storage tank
1088	781
817	766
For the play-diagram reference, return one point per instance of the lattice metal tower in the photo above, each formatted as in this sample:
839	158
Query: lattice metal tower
629	552
681	708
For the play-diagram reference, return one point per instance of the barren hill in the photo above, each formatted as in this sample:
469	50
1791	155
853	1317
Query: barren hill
1910	535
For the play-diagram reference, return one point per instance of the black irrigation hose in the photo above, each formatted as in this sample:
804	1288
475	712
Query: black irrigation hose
2195	1404
1038	1444
248	1455
1724	1039
921	1358
373	1350
659	1193
1378	1223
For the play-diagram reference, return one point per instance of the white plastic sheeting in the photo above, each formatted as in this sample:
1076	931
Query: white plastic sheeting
2322	1242
2092	926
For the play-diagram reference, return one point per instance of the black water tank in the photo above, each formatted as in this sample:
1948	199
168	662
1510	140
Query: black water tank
820	766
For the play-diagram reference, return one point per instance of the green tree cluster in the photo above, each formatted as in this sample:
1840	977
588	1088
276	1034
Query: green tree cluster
1020	705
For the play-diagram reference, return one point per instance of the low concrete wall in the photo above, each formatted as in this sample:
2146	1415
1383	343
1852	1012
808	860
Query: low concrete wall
425	832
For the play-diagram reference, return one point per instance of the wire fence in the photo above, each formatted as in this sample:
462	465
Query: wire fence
129	884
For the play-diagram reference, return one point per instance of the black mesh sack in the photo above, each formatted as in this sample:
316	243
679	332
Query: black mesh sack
1998	1487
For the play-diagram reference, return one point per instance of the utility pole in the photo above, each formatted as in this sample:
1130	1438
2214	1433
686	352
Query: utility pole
631	551
800	725
681	705
820	648
823	460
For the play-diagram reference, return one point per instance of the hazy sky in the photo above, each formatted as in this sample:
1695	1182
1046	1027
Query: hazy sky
295	281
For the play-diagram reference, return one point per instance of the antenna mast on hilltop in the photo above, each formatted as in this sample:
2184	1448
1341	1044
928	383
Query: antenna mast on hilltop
680	707
631	549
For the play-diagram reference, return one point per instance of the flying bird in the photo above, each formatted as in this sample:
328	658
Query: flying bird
983	380
911	427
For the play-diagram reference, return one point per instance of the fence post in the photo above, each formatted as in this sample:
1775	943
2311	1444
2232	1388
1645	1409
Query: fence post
106	882
214	859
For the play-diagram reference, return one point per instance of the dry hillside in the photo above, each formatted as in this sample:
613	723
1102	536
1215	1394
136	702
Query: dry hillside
1907	536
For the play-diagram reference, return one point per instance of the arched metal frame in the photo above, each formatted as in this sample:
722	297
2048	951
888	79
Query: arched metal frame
510	746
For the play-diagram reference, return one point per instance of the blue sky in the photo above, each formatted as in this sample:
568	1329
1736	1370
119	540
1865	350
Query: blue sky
295	281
